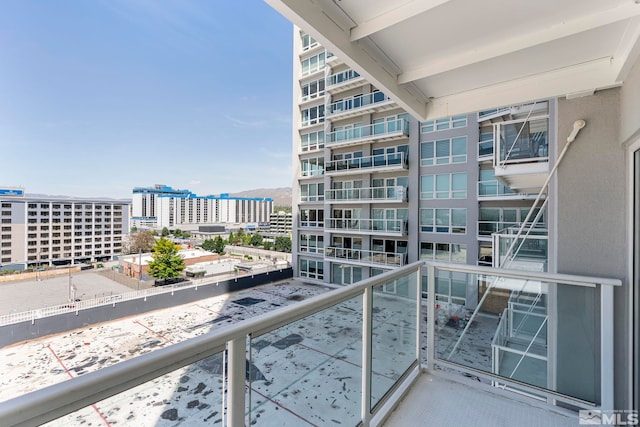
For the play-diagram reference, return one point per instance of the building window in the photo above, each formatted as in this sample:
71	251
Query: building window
312	192
313	64
308	42
452	221
312	167
443	151
312	141
448	252
312	90
312	243
312	218
313	269
443	186
313	115
443	124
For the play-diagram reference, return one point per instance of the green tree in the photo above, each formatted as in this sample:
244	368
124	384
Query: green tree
256	240
134	229
165	232
266	244
231	238
140	242
218	245
209	245
283	244
239	236
246	240
166	263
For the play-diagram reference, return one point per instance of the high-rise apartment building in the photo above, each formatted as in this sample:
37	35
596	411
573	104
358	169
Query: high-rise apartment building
38	230
162	206
376	189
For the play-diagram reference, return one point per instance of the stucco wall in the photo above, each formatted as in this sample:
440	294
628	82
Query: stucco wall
630	105
591	188
591	232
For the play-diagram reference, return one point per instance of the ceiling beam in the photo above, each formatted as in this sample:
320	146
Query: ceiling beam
309	16
628	50
592	74
513	43
393	17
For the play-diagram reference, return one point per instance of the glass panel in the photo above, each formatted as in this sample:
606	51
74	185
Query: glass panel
393	347
508	333
187	396
309	371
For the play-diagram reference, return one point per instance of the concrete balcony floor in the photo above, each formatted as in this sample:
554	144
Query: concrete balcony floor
440	399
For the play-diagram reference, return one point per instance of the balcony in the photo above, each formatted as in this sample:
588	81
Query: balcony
521	153
381	227
355	372
394	194
366	258
529	252
377	132
496	190
374	102
378	163
343	81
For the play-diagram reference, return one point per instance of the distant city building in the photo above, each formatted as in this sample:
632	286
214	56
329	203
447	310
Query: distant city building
55	230
280	223
162	206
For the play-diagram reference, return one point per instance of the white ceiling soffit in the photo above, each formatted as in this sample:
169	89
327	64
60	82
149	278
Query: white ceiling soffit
442	57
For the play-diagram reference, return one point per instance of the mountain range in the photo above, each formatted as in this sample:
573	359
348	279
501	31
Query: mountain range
280	196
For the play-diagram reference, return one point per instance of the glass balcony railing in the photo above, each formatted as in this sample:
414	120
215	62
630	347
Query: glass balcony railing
519	330
493	188
339	78
378	161
488	227
265	371
523	330
370	194
357	103
520	141
529	252
359	256
388	129
382	226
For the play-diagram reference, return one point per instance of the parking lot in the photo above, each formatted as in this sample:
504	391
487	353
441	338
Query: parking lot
27	295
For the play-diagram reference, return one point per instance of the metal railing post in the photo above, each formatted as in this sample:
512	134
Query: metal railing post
431	316
367	310
236	381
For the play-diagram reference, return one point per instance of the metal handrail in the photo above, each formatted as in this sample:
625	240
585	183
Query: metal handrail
60	399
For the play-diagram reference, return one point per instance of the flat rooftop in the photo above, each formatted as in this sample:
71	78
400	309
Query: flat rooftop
305	373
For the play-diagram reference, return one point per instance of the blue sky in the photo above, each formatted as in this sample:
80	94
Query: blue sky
100	96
